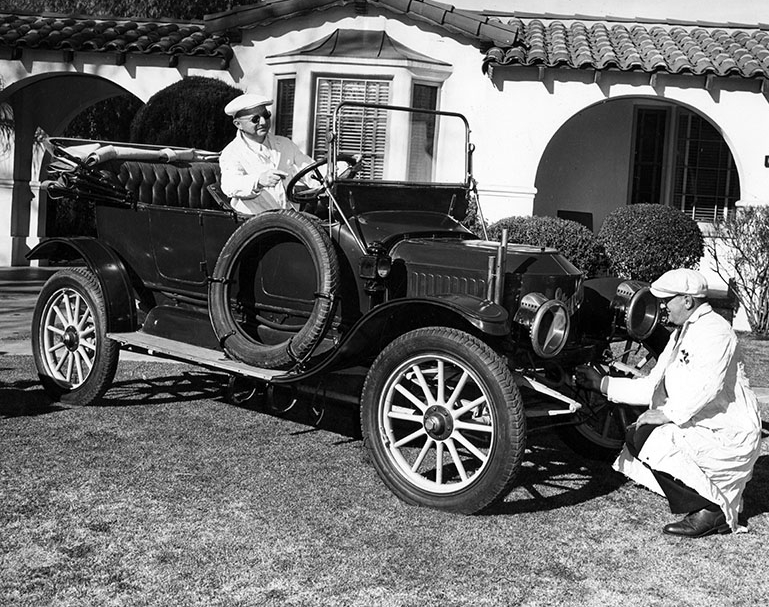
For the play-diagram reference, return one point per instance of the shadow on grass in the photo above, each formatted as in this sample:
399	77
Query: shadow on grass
25	398
756	494
554	477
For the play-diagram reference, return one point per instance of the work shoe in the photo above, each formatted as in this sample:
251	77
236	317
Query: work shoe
699	524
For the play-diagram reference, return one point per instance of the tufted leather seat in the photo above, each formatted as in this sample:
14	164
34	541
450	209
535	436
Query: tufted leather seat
182	185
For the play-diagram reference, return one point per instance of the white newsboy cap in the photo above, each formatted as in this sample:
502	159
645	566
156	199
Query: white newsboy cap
681	281
247	101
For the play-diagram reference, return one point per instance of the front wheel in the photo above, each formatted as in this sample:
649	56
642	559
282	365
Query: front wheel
75	360
443	420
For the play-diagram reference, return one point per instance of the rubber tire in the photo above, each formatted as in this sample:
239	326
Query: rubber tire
583	438
107	352
238	344
506	451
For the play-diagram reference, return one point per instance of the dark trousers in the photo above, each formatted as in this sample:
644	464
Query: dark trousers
681	497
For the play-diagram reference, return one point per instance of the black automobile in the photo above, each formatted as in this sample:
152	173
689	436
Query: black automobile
455	344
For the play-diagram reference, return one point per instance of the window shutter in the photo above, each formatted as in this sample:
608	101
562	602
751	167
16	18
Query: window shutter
362	130
284	118
706	181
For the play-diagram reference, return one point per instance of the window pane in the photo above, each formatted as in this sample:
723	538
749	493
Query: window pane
362	130
422	142
706	181
284	119
648	156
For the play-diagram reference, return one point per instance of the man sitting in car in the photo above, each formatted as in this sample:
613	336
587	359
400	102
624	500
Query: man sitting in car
256	165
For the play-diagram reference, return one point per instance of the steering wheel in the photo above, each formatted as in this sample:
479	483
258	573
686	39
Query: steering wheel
308	199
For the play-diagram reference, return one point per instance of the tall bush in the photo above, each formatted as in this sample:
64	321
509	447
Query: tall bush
188	113
740	251
643	241
572	239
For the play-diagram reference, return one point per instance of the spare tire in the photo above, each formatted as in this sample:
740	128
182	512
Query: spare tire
265	269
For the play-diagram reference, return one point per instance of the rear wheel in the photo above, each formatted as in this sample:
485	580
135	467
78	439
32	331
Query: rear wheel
443	420
75	361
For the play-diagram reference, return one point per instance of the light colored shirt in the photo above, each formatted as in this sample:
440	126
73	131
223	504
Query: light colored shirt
242	161
714	439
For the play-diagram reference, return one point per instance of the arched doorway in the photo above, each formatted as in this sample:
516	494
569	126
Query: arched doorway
36	107
632	150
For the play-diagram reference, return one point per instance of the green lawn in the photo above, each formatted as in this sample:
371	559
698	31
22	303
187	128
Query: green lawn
165	495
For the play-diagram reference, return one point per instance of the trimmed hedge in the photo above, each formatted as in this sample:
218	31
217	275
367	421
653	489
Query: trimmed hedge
643	241
576	242
188	113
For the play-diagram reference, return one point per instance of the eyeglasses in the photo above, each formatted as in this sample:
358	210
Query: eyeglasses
257	117
666	300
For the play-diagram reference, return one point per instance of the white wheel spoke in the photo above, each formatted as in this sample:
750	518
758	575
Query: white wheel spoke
440	397
56	346
76	310
62	360
470	447
459	425
53	329
469	406
87	332
457	460
412	398
87	344
70	363
458	389
67	308
439	463
86	317
86	358
78	367
421	457
408	417
410	437
423	383
60	314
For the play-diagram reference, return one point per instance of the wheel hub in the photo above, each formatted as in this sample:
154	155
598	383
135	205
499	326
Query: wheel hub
438	422
71	339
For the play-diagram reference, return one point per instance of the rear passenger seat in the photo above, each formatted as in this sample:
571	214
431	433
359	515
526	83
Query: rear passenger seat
184	185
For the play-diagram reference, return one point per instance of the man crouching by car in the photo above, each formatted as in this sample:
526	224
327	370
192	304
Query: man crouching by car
700	438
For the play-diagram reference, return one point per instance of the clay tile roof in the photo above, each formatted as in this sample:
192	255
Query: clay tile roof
56	32
589	43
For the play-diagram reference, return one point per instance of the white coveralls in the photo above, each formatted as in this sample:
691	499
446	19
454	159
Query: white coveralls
714	439
241	163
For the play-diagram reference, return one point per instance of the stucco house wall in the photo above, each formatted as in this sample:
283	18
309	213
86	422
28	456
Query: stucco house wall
547	138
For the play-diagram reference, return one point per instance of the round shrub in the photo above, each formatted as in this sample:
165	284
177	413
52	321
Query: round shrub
643	241
188	113
572	239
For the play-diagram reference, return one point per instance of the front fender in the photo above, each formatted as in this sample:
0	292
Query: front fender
108	269
370	334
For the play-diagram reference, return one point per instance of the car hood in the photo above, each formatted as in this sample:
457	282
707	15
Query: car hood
438	266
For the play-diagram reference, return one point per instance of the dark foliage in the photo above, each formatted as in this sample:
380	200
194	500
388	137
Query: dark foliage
189	113
572	239
108	120
643	241
149	9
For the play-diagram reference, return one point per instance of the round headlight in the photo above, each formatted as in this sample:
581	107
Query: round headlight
547	321
636	308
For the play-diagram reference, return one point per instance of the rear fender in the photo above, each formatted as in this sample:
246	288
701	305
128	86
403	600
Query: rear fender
108	269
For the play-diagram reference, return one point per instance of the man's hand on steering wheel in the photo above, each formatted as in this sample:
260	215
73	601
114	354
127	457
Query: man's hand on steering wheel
305	198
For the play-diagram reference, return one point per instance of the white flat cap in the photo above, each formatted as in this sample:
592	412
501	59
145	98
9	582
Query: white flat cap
247	101
681	281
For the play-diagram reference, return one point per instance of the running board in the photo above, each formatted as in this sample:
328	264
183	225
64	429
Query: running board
205	357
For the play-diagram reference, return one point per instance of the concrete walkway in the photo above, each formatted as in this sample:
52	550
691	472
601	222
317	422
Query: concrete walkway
19	288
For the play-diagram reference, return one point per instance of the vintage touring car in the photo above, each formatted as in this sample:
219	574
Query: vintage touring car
459	343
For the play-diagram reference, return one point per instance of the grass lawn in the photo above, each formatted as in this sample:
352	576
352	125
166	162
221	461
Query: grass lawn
167	496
